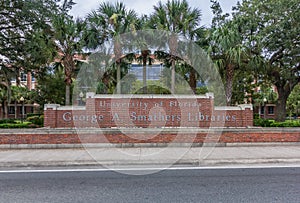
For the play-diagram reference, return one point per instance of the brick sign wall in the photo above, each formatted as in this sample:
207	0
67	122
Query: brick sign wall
147	111
13	137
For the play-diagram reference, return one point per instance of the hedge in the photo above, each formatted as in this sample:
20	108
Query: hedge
271	123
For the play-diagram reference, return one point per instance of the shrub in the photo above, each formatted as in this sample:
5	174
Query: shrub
33	114
11	125
263	122
10	120
36	120
256	116
271	123
287	123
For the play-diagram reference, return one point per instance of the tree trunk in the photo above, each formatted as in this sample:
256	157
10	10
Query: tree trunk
173	77
68	90
193	81
69	67
144	56
16	115
118	78
173	44
281	109
229	83
18	77
5	109
2	112
144	78
281	104
118	55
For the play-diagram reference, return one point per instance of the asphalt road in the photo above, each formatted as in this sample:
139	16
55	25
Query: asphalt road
209	185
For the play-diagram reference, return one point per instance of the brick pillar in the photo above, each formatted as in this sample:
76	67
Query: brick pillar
50	115
247	114
90	107
211	96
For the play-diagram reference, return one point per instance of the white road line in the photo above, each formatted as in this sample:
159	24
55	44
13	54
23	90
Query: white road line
147	169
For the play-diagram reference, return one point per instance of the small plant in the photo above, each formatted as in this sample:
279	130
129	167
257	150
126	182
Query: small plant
263	122
271	123
7	121
14	125
36	120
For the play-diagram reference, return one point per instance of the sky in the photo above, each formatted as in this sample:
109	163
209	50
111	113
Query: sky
83	7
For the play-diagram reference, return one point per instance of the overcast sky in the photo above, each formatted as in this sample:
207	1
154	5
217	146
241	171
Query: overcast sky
83	7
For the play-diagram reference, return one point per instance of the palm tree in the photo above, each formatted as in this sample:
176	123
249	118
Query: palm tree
228	52
68	35
178	18
194	33
110	21
145	51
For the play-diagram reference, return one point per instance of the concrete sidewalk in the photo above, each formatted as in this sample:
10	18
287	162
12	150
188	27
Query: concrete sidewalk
167	156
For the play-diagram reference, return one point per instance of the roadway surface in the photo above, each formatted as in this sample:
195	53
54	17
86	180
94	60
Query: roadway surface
176	185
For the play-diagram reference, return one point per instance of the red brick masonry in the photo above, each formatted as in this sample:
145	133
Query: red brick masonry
147	111
141	135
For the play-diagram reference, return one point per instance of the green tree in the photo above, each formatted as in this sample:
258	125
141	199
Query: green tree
179	18
68	35
145	51
20	21
51	87
271	30
108	22
293	102
226	48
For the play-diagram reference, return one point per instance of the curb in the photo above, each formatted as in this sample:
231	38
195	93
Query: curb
146	145
191	162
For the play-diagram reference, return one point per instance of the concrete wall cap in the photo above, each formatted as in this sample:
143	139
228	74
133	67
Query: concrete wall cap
51	106
228	108
246	106
150	96
90	95
70	108
210	95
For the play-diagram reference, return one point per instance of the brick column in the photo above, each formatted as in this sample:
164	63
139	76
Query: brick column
247	114
50	115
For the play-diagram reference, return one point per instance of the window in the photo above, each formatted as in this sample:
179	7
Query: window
270	109
11	110
21	108
32	77
23	77
262	110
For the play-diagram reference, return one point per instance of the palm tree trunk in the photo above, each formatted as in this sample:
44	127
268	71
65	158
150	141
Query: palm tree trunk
173	77
144	56
229	83
68	90
144	78
118	78
118	54
193	81
173	44
69	65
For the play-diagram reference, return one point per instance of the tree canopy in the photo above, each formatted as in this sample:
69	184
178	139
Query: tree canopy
259	44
